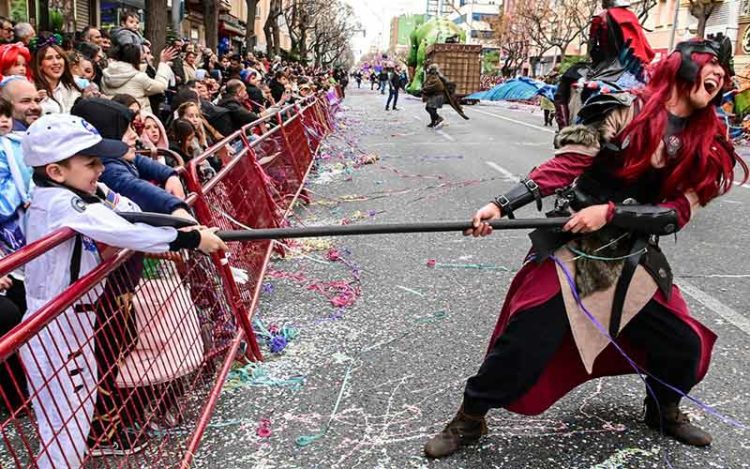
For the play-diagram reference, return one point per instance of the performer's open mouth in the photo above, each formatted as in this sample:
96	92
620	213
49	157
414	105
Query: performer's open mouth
710	85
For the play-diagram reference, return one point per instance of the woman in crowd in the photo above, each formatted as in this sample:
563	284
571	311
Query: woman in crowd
124	76
55	82
15	59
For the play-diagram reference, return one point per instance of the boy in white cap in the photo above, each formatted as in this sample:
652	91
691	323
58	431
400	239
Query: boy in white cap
64	152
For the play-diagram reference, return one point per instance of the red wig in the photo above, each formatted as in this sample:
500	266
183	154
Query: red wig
9	54
705	161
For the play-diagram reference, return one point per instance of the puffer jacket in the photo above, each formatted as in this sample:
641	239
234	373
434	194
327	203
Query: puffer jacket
120	77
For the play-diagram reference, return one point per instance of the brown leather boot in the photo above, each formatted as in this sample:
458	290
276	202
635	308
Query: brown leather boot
463	430
675	423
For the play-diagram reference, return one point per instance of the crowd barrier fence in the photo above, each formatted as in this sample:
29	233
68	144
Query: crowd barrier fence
136	351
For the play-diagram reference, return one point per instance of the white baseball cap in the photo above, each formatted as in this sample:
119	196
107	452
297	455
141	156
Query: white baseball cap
57	137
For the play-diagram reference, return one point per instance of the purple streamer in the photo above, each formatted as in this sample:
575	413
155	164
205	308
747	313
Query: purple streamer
640	371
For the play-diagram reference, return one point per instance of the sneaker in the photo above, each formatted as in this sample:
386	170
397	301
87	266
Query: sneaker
122	443
386	108
396	109
439	123
430	125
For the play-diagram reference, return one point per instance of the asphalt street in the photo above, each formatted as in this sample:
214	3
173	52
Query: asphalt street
366	383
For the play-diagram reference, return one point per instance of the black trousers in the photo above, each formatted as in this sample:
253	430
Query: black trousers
433	114
12	376
392	95
548	116
532	337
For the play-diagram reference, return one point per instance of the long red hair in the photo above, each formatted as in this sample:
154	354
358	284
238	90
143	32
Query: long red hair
9	54
705	162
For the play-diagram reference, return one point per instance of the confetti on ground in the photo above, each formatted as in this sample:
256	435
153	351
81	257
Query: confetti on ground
410	290
255	374
622	457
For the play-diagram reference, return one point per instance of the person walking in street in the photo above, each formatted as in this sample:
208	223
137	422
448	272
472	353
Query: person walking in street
590	297
393	85
433	91
382	79
373	80
358	78
436	91
548	107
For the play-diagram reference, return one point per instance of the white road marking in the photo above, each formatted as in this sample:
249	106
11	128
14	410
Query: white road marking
445	135
507	174
733	317
416	118
515	121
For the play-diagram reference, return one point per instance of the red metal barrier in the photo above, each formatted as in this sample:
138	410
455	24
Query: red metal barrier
137	350
119	359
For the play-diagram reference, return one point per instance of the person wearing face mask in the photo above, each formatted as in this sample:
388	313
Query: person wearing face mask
597	298
123	75
55	82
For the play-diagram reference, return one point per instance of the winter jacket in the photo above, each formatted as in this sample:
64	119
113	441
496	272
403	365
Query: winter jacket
394	81
218	116
237	112
120	77
131	179
256	96
433	91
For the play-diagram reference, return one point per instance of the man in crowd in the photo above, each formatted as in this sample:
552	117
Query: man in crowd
92	35
234	95
23	96
6	30
24	32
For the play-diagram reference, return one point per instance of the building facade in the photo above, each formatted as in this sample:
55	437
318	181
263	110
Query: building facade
475	17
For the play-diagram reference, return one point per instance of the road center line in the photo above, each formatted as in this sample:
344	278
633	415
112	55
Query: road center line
445	135
730	315
515	121
507	174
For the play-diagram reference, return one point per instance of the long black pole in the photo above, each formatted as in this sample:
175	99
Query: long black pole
385	228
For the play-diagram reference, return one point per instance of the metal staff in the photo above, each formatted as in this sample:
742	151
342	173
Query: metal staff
346	230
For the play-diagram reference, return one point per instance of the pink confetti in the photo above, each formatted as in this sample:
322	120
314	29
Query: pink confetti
264	428
431	263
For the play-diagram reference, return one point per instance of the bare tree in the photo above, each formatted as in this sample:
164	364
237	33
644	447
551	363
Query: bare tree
320	30
510	33
557	24
300	16
250	37
211	22
702	10
271	27
157	22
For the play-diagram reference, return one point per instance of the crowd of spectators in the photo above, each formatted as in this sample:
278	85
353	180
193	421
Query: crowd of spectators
186	98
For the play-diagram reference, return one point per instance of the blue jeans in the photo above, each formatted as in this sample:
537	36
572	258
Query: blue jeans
382	87
392	94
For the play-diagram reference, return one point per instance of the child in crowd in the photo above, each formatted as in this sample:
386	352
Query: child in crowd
15	180
182	139
205	135
130	20
6	117
64	151
154	135
15	59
